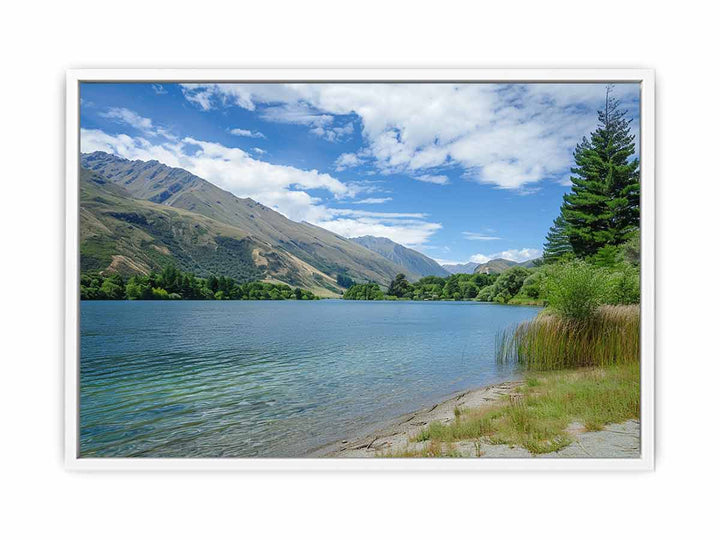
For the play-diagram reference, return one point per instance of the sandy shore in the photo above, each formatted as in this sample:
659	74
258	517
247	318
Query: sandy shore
616	440
396	435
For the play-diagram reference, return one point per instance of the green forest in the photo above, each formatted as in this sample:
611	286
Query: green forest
591	254
173	284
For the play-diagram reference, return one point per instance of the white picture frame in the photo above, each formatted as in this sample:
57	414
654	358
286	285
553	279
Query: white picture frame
644	77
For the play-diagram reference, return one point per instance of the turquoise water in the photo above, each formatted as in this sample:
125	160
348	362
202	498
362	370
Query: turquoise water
271	379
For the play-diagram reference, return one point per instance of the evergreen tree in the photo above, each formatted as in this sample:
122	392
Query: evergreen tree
603	206
398	286
557	243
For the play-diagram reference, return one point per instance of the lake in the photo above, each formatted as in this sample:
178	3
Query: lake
272	379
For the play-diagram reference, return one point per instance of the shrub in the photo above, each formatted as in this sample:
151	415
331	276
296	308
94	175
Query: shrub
576	289
631	249
532	286
159	293
509	283
111	290
486	293
624	285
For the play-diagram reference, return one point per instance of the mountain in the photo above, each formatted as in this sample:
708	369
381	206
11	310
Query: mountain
466	268
497	266
171	212
416	264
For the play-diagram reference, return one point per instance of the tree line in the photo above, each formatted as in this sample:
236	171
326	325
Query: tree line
173	284
454	287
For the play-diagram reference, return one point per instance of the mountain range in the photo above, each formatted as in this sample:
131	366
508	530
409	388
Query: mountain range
494	266
413	261
137	216
460	268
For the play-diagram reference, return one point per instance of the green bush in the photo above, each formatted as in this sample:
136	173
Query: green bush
631	249
364	291
576	289
509	283
486	293
159	293
624	285
532	286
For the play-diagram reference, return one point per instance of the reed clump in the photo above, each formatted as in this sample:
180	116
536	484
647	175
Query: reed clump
608	337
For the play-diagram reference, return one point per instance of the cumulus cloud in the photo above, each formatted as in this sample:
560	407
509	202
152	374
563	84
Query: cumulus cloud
159	89
283	188
346	161
125	116
409	229
517	255
503	135
247	133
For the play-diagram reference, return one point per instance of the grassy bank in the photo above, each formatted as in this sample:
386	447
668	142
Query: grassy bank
582	366
538	415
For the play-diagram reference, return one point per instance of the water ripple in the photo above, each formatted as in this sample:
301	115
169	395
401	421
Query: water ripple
244	379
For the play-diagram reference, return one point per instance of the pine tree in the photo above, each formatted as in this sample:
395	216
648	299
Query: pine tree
557	243
603	207
398	286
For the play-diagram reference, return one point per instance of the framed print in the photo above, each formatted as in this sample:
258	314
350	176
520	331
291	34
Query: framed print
371	269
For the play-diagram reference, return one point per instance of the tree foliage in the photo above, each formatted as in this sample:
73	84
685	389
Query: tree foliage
603	207
557	244
172	284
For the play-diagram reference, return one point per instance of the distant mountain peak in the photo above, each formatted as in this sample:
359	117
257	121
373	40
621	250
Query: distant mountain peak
416	264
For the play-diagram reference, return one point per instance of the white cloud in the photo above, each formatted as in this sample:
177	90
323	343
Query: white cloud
373	200
247	133
408	229
321	125
125	116
159	89
259	150
507	136
280	187
517	255
433	178
479	236
346	161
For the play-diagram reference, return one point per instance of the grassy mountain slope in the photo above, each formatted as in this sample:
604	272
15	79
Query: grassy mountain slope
416	264
172	187
122	234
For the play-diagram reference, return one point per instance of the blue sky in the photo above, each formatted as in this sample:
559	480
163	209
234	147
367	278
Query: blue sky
459	172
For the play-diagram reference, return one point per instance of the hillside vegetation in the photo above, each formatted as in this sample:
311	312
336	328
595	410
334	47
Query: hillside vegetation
172	284
297	253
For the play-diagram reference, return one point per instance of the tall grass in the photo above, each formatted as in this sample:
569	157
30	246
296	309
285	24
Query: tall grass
538	419
608	337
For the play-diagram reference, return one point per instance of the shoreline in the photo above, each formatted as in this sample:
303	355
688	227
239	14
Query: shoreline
394	438
395	434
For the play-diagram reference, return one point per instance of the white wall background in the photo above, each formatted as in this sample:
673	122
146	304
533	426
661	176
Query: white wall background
38	42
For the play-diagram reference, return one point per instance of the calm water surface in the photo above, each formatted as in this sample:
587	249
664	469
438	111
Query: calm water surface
275	379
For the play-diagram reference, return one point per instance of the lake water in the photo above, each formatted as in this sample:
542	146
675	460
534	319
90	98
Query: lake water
273	379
